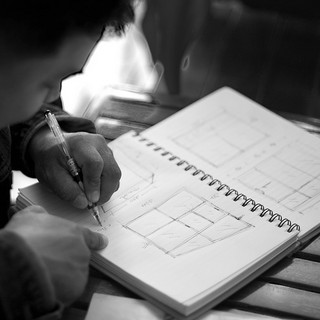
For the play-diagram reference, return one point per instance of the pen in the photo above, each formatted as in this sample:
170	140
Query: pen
72	166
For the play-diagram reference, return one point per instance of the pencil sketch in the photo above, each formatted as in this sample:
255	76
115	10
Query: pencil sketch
219	139
138	180
184	223
290	177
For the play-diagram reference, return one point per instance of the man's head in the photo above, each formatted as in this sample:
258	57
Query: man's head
42	42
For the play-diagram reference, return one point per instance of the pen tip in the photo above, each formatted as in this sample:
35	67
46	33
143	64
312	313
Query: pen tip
99	221
96	214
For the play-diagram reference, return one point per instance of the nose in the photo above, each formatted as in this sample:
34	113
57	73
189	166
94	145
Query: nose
53	94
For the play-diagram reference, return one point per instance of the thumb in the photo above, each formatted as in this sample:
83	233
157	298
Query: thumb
94	240
68	189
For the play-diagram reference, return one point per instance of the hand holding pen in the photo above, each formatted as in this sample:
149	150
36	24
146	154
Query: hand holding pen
71	164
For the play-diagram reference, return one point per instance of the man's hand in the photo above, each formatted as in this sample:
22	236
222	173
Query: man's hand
100	171
63	246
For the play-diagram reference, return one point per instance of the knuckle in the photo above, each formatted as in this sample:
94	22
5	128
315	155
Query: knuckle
100	138
118	173
95	162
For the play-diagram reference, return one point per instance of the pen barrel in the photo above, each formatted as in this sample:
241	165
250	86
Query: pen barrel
71	164
73	169
63	146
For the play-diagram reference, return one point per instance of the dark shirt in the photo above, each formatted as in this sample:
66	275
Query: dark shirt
25	290
5	174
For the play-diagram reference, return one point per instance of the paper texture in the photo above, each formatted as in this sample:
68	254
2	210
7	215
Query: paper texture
184	241
252	150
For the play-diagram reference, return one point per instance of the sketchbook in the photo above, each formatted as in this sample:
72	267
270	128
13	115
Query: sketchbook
209	199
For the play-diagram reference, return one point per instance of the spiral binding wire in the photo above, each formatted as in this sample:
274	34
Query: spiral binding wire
264	212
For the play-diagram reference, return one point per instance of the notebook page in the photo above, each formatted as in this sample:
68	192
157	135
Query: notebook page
181	233
141	172
251	149
174	229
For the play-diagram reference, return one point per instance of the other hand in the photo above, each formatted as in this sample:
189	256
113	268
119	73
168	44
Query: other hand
63	246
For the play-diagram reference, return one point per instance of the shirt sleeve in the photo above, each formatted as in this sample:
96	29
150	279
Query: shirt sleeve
22	133
26	291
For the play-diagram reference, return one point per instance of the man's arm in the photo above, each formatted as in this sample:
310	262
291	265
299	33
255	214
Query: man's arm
35	153
43	264
26	291
23	133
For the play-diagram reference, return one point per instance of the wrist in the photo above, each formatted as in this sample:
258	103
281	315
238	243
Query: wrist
42	140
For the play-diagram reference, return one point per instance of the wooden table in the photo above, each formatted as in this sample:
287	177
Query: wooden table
290	289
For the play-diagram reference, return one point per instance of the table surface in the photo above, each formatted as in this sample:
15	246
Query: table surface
290	289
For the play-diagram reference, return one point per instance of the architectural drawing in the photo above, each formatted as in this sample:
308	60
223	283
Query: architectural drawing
138	179
213	140
290	177
184	223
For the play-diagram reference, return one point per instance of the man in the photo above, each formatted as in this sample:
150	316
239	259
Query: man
44	259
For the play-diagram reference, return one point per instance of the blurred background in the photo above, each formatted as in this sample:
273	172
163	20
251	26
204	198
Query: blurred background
268	50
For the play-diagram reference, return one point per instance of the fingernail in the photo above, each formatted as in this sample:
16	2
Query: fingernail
80	201
103	241
95	196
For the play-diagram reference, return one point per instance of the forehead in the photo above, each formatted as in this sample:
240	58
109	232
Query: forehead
69	57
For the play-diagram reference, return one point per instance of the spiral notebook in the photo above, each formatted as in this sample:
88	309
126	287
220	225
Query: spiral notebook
209	199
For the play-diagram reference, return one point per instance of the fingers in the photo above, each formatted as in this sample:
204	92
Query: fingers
91	164
101	173
110	177
92	169
94	240
35	221
67	189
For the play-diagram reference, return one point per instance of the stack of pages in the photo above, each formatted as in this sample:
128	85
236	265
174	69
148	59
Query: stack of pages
209	198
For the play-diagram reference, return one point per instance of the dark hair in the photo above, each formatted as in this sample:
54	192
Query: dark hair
38	26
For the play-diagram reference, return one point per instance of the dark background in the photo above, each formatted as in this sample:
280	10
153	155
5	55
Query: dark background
268	50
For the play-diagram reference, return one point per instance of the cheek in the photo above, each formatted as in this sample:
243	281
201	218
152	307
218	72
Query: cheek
30	105
18	107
